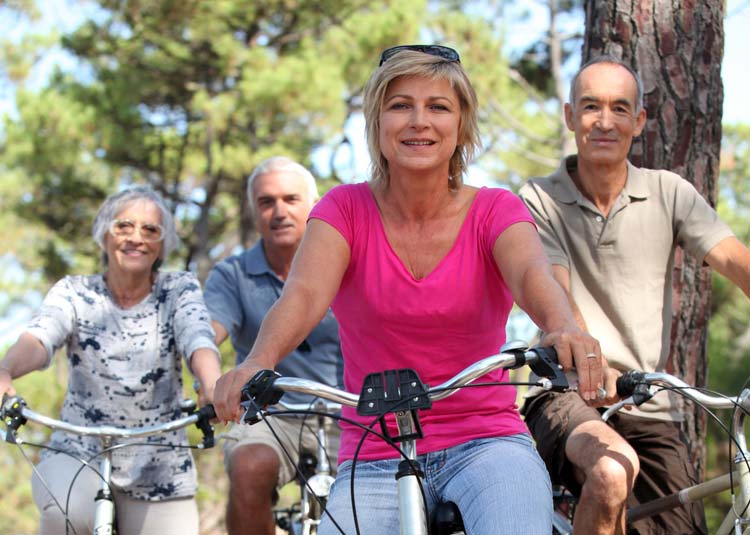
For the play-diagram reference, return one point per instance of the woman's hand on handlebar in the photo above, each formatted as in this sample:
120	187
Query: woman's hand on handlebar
229	387
578	349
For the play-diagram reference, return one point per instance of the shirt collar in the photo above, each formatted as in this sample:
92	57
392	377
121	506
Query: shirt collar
566	191
255	262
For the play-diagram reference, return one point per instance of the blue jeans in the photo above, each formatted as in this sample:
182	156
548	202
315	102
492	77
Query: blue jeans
499	484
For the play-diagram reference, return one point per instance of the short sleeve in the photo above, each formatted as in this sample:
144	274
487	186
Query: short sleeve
222	296
503	209
533	197
338	209
192	322
54	321
697	225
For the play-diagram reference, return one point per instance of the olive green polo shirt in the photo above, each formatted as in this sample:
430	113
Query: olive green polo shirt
621	265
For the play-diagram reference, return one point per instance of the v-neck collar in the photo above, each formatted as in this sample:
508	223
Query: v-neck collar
459	237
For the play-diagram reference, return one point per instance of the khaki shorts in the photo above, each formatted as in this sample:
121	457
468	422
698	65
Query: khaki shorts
660	445
293	435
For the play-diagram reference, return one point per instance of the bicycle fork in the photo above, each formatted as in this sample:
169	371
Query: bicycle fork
738	521
104	503
315	493
411	507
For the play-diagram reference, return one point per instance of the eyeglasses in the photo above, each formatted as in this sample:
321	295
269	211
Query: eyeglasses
150	232
433	50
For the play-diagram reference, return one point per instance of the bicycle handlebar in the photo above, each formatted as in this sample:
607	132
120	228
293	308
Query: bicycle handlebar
634	388
628	385
319	405
15	412
266	386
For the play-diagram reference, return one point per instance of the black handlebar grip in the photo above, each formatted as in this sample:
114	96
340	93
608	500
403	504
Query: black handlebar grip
260	389
546	366
628	382
205	415
208	412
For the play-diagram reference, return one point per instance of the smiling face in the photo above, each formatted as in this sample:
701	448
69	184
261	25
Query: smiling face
282	203
131	253
419	124
603	115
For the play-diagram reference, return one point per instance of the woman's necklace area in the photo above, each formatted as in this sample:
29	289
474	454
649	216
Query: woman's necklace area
125	299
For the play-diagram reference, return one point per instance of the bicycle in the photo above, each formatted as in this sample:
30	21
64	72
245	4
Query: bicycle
401	392
15	413
635	388
314	474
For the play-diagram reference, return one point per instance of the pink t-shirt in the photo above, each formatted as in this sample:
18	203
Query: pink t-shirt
438	325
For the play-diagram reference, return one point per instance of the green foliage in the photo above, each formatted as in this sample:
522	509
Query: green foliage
190	96
729	331
535	62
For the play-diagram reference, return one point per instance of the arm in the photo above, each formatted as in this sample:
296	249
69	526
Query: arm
732	259
221	333
223	301
529	276
26	355
206	367
562	276
194	336
314	279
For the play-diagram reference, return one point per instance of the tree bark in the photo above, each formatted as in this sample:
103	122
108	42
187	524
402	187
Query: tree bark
677	47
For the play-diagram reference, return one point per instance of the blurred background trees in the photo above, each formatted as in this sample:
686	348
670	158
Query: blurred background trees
189	96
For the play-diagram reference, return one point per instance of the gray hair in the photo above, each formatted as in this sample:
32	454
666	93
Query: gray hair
606	58
116	203
277	164
413	63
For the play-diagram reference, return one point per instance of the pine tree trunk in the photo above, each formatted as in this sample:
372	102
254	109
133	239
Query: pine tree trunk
677	47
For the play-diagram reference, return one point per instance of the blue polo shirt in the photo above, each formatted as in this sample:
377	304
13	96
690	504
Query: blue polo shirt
238	293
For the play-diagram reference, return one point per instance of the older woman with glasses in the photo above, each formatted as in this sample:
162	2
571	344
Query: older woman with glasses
124	331
422	272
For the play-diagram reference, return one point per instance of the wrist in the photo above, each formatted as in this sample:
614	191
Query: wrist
256	361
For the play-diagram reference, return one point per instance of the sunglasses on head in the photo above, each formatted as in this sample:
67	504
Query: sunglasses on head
433	50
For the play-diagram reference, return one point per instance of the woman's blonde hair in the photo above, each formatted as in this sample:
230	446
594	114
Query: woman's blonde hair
413	63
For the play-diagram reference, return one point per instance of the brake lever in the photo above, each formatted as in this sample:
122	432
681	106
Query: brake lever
616	407
12	416
547	367
258	394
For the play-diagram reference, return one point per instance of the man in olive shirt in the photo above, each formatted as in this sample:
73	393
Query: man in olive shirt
610	230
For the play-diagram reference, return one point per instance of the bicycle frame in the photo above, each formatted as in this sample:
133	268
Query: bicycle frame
15	413
412	513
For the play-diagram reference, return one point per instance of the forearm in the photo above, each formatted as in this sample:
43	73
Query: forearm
26	355
732	260
545	300
205	365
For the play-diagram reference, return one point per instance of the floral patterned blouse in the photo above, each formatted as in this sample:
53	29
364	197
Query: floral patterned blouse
126	371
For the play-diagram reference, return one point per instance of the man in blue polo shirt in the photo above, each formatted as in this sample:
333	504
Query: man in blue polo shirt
239	291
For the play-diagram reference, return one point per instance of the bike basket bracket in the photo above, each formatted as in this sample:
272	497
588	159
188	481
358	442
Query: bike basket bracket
392	391
395	391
